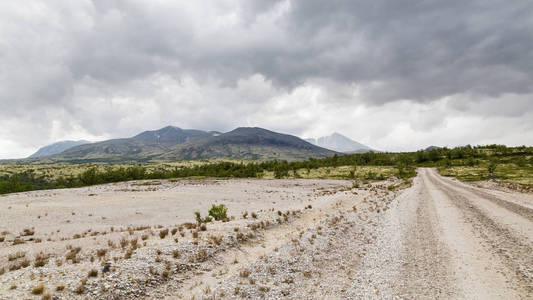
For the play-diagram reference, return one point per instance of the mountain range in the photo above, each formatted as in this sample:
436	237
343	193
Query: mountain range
172	143
340	143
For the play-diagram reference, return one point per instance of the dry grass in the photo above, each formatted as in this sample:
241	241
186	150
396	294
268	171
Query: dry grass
101	252
202	255
16	255
163	233
41	260
72	254
80	289
38	290
244	273
128	254
18	265
46	296
124	242
18	241
27	232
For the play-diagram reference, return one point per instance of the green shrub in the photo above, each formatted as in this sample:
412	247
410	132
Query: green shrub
199	218
521	162
492	167
219	212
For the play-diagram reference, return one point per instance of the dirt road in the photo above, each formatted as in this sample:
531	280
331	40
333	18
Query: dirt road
453	241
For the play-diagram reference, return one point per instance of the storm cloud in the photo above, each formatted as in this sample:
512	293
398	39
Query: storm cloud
397	75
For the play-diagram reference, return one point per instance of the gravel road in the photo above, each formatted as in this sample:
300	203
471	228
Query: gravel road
450	240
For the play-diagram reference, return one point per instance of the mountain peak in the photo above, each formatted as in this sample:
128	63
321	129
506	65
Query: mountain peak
249	130
340	143
169	135
57	148
170	127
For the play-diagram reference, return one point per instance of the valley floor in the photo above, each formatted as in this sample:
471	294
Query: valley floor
288	239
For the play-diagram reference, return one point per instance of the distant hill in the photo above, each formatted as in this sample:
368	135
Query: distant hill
340	143
170	136
56	148
172	143
431	148
141	147
249	143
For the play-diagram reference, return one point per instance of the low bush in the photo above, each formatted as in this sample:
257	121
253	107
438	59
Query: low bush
199	218
218	212
163	233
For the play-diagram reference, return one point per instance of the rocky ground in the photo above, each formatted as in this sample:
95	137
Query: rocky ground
287	239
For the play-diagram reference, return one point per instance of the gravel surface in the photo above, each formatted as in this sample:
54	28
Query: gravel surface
435	239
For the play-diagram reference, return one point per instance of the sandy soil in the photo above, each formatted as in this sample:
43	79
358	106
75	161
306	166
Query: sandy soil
307	239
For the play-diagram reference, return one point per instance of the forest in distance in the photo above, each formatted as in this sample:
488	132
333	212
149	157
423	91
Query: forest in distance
511	164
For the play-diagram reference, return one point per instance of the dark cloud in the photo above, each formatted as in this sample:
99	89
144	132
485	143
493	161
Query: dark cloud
419	50
107	68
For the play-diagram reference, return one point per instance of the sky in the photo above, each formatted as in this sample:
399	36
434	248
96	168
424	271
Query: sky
395	75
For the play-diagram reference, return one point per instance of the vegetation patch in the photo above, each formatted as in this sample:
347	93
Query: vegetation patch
514	165
219	212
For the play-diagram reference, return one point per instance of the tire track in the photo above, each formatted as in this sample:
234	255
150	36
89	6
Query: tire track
517	255
518	209
426	268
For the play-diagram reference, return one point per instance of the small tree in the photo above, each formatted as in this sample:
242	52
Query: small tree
401	168
447	163
492	167
434	155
